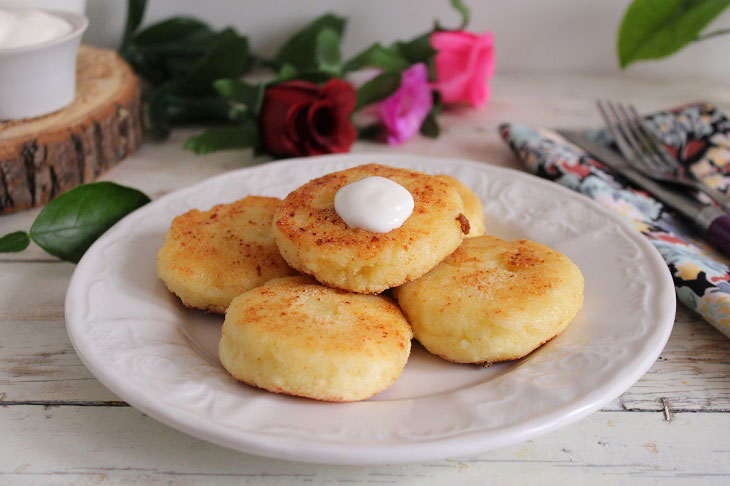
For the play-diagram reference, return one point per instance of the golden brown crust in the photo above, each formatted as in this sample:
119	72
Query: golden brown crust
493	300
315	240
473	209
295	336
211	256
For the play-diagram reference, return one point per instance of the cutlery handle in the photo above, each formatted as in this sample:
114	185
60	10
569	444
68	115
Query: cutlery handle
719	233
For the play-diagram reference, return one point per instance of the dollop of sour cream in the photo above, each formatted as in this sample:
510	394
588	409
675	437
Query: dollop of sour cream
29	27
374	203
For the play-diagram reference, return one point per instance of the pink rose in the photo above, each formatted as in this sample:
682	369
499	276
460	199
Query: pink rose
464	64
403	112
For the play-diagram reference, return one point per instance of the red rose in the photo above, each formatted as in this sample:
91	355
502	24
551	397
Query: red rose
302	118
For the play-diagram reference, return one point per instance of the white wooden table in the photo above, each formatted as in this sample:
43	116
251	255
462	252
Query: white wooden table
59	425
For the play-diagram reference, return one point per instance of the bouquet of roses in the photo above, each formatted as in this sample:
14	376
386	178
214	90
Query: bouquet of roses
194	74
307	106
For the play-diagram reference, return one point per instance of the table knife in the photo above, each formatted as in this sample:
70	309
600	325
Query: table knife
712	221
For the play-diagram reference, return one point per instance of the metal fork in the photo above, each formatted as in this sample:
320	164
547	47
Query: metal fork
646	153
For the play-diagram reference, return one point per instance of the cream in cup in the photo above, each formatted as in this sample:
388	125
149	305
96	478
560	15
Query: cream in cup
38	51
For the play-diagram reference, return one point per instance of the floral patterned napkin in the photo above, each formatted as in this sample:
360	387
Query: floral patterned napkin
699	136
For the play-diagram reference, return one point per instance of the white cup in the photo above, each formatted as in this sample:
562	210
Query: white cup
78	6
39	79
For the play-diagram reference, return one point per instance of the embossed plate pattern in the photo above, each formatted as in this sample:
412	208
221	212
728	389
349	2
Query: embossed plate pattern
131	333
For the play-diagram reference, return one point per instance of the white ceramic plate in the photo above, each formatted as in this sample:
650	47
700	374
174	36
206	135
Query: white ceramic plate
145	347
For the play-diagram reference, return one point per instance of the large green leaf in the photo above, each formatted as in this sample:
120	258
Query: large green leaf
14	242
69	224
653	29
378	88
300	50
223	138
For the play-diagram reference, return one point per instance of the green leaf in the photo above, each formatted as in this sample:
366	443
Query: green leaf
386	58
653	29
430	127
228	57
170	31
287	72
69	224
181	57
193	97
327	51
416	50
378	88
165	108
14	242
300	49
135	13
463	10
370	132
223	138
250	95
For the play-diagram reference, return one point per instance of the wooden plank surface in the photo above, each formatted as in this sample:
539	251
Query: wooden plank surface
61	426
85	445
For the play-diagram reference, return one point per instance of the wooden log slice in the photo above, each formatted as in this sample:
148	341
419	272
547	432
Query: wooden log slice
45	156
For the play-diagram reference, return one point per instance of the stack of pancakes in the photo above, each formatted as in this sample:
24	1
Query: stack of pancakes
304	294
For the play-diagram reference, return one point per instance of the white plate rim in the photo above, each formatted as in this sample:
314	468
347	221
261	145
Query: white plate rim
379	453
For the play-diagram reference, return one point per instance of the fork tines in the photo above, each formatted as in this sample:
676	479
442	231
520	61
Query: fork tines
634	139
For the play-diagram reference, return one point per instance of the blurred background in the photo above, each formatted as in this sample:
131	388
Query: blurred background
531	35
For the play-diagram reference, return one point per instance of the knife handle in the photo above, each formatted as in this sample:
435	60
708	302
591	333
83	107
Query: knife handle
719	233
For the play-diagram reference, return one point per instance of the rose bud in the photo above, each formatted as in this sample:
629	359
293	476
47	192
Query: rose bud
302	118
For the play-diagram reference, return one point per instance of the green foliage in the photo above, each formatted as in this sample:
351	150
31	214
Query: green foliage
69	224
14	242
327	52
249	95
135	12
416	50
652	29
378	88
309	49
386	58
223	138
193	71
180	58
463	11
430	127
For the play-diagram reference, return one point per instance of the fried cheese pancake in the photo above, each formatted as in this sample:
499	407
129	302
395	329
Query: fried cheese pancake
295	336
314	239
493	300
473	208
209	257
